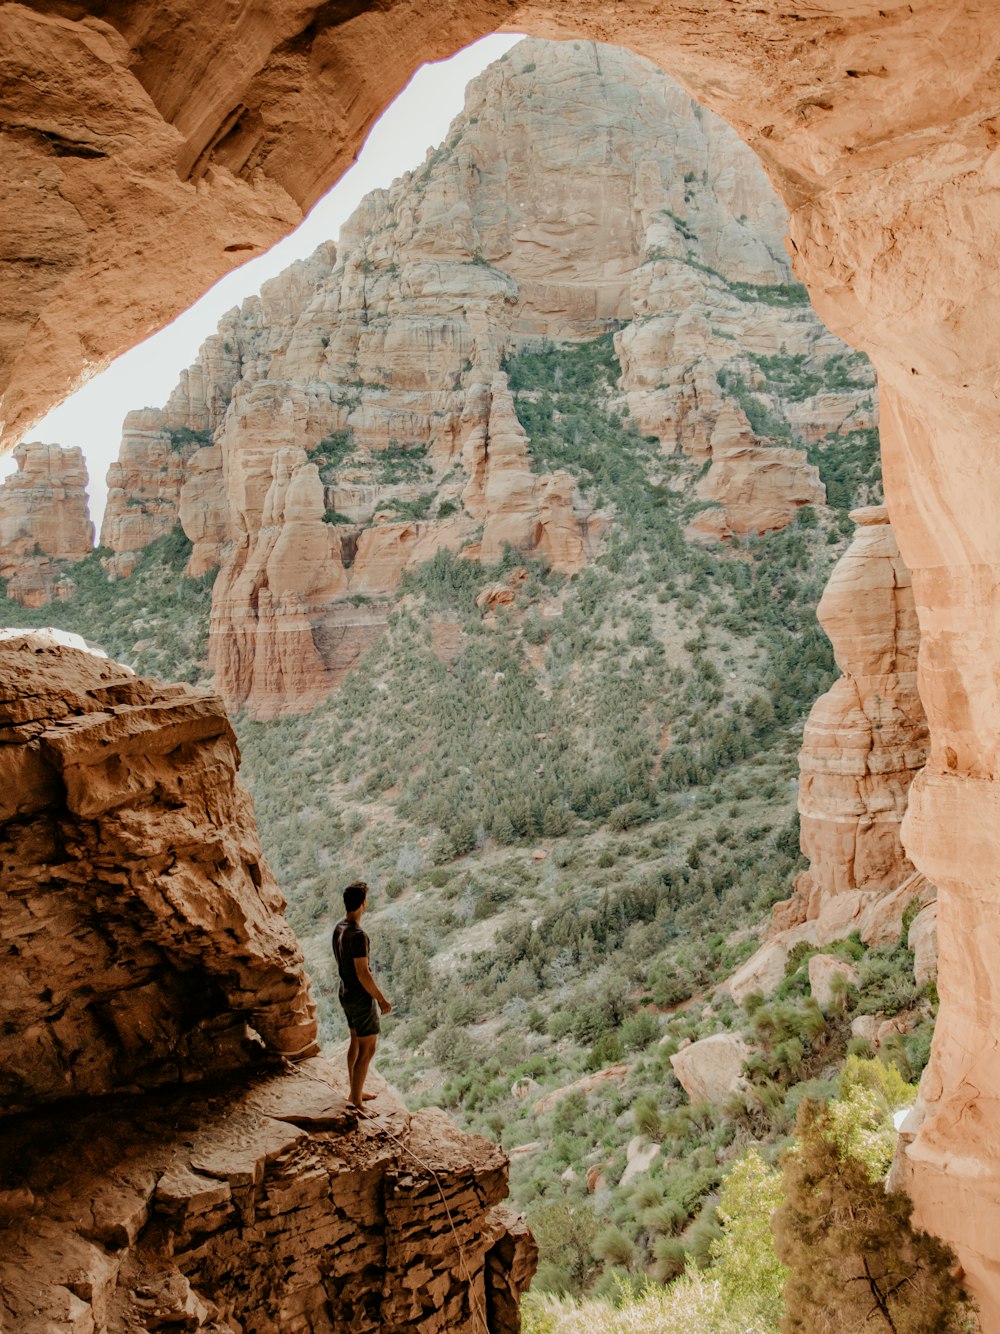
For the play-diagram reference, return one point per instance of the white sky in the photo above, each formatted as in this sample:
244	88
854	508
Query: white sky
144	376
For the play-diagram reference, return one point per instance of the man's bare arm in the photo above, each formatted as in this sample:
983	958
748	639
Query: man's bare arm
370	985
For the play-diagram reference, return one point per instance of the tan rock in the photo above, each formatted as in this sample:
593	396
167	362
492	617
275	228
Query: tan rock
160	952
614	1074
923	941
595	1178
823	968
866	738
44	521
711	1068
639	1158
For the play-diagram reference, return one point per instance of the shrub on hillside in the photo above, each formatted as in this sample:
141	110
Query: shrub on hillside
854	1258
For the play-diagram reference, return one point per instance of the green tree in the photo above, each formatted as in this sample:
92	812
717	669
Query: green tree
744	1260
855	1260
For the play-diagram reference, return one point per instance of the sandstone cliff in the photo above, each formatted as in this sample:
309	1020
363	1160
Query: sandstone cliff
864	742
355	418
44	522
148	953
231	124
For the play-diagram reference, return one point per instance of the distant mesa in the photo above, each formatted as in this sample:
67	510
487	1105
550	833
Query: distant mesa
44	522
356	417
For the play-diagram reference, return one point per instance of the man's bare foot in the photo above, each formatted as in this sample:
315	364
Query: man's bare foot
369	1097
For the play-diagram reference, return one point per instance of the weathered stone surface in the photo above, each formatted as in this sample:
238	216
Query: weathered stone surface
381	359
639	1158
613	1074
866	738
887	161
44	521
710	1069
265	1205
146	941
923	941
823	968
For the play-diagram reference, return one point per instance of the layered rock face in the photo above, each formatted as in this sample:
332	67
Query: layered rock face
262	1206
863	744
150	942
885	158
44	522
580	191
866	738
146	953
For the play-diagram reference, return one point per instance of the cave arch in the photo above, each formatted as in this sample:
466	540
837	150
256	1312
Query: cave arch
150	146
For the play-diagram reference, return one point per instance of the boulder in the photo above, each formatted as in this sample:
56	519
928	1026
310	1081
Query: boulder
823	968
712	1068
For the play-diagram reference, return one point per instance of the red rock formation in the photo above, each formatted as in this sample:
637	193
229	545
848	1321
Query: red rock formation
396	339
864	742
866	738
263	1204
161	953
885	158
147	953
44	522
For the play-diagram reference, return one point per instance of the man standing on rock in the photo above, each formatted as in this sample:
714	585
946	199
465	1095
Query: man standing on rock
359	993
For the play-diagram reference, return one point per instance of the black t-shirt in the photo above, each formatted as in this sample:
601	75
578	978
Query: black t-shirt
350	943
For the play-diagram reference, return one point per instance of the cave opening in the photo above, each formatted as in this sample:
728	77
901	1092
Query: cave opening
845	252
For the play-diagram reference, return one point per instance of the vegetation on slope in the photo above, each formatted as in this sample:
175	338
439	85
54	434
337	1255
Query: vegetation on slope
575	818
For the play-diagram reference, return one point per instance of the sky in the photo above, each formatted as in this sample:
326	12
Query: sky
145	375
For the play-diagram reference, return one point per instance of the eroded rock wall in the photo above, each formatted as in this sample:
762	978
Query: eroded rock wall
885	157
173	1153
147	942
866	739
44	522
581	190
262	1205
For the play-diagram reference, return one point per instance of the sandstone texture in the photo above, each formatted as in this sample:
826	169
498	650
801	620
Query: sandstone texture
44	522
355	418
823	968
153	132
866	738
146	954
710	1069
265	1207
148	944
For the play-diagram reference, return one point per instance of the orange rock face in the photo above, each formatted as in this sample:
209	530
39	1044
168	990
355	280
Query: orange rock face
161	953
44	521
866	738
151	955
226	123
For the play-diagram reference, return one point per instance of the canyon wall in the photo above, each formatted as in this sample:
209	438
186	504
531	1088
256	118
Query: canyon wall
44	522
355	418
227	122
225	1183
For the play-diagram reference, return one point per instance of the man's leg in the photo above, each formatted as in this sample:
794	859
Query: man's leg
352	1057
366	1050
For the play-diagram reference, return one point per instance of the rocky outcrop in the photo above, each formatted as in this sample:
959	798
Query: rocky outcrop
44	522
866	738
264	1206
151	945
710	1069
864	742
147	953
380	361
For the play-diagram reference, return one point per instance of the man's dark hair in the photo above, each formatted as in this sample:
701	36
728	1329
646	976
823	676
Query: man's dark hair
355	895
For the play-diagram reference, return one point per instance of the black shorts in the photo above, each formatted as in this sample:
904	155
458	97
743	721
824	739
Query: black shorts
362	1017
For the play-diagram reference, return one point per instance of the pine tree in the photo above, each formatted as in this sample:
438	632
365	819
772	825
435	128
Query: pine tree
854	1258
